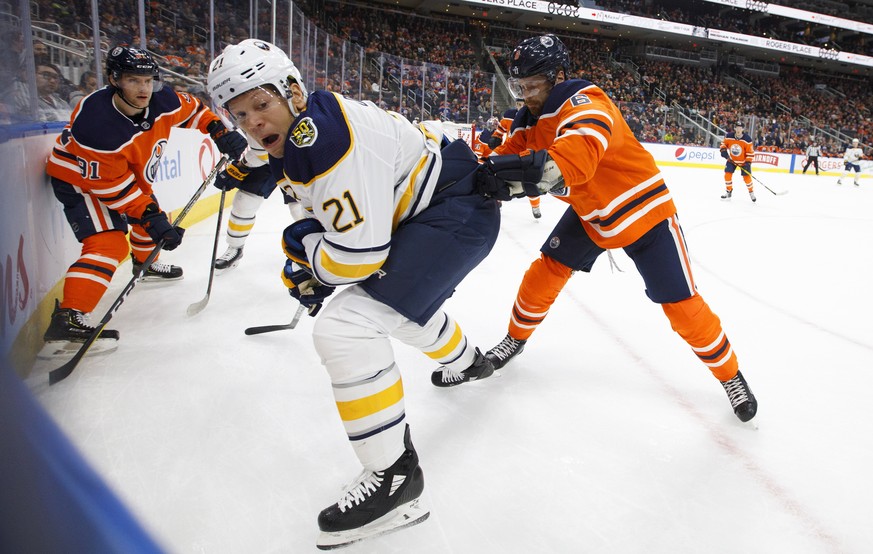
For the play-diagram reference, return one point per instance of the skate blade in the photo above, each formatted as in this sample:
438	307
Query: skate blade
53	350
155	279
407	515
751	424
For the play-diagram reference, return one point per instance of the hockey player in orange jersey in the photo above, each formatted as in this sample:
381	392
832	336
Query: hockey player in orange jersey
481	142
102	169
737	149
571	140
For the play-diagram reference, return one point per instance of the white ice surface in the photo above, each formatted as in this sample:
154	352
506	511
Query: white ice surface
606	435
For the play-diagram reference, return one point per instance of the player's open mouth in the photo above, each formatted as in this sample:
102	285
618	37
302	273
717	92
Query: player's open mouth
269	140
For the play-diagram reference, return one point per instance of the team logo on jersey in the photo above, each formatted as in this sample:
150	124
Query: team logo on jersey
153	165
547	41
736	150
304	133
554	242
580	99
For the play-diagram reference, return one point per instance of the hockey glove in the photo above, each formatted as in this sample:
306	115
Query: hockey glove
531	173
724	154
232	176
308	290
292	239
156	224
228	142
494	142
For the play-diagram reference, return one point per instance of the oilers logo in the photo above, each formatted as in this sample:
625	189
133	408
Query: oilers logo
305	133
736	150
154	163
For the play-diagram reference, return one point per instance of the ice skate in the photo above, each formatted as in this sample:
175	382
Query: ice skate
507	349
69	329
839	181
481	369
752	196
157	271
537	213
230	259
727	195
378	502
742	400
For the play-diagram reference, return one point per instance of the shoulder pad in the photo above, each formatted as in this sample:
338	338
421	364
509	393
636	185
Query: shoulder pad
319	138
564	91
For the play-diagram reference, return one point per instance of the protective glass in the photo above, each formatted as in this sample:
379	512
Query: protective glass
528	86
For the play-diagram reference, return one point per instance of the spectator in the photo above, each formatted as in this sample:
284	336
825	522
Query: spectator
87	85
50	107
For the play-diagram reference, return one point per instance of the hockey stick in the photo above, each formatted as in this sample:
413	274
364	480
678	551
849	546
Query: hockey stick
271	328
197	307
747	172
65	370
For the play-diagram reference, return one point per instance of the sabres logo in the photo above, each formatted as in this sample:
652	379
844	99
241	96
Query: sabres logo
305	133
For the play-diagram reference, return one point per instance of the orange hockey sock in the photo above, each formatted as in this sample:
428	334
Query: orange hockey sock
541	285
89	276
701	329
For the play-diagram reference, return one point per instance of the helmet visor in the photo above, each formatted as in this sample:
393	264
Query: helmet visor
256	102
528	86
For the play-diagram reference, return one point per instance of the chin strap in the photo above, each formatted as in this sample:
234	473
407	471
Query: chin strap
120	94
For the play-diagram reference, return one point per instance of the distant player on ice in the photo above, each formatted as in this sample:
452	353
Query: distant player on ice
737	149
851	158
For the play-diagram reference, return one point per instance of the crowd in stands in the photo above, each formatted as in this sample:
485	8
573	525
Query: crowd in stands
740	20
425	67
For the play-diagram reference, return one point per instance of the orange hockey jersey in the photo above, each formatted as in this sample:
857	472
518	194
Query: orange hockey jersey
739	149
505	123
114	158
480	143
611	181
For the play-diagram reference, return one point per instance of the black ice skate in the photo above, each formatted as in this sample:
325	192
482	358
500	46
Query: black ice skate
378	502
69	329
480	369
230	259
742	400
507	349
157	271
537	213
727	195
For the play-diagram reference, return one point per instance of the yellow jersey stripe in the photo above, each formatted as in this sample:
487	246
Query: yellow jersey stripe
453	343
369	405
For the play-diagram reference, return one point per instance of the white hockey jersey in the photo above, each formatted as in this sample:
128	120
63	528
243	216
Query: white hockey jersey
853	155
361	171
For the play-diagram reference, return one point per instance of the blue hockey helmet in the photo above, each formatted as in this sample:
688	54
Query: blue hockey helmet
136	61
542	55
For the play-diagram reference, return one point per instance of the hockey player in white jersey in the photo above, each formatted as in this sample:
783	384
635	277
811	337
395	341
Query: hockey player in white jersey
851	157
393	215
254	182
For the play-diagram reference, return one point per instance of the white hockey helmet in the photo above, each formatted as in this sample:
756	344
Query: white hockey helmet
248	65
855	141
